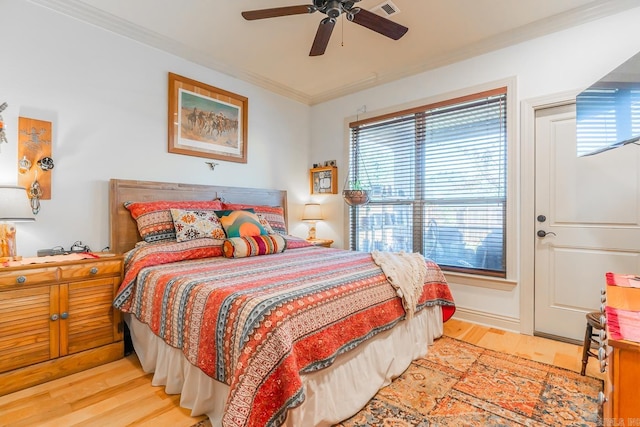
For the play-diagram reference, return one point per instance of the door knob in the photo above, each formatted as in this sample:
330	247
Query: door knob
541	218
542	233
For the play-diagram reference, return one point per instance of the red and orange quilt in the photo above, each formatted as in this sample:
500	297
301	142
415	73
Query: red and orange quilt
258	323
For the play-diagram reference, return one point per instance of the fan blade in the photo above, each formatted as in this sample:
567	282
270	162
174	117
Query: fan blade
322	37
377	23
278	11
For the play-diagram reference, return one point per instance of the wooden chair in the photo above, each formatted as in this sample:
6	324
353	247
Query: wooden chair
594	326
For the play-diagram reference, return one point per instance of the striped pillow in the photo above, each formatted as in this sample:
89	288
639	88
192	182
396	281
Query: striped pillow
240	247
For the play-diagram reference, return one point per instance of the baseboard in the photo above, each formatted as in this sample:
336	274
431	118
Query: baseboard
28	376
492	320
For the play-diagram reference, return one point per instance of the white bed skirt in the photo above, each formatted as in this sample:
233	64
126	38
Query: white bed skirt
332	394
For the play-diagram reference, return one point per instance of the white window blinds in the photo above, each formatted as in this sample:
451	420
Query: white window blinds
607	115
437	181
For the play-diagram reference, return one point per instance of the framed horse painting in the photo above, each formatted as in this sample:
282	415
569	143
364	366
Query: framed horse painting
205	121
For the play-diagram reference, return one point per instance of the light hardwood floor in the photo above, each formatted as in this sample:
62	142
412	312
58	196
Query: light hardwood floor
121	394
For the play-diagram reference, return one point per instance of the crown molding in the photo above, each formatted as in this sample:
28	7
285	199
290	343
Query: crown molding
89	14
590	12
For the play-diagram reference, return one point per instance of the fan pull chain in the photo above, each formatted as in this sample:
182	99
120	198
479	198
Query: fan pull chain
342	35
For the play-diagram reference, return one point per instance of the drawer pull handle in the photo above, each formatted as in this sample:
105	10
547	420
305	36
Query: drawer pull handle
603	366
601	398
603	320
94	270
54	317
21	279
602	354
64	315
602	335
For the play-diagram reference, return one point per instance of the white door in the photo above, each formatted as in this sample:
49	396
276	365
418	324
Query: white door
589	206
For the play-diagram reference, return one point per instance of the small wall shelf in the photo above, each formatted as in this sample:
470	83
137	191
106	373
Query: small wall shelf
323	180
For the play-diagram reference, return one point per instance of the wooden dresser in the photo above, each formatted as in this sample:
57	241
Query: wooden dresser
620	358
57	318
621	384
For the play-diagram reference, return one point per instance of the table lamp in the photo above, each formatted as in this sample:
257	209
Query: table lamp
14	207
312	213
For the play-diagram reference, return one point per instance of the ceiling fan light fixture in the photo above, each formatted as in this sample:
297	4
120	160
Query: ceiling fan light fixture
352	12
334	9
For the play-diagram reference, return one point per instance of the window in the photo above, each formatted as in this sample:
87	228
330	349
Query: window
607	113
437	182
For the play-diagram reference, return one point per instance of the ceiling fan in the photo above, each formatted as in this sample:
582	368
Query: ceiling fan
333	9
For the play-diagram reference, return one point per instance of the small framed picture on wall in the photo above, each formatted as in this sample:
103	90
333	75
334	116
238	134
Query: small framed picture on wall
324	180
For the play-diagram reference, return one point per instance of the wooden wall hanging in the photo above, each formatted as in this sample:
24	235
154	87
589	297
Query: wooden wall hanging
34	158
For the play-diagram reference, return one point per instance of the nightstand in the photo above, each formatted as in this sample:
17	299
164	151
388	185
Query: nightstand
321	242
57	318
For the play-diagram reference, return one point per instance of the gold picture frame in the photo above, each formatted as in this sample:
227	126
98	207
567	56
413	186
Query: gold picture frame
206	121
324	180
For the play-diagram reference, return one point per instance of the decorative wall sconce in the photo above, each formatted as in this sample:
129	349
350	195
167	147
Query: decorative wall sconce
312	213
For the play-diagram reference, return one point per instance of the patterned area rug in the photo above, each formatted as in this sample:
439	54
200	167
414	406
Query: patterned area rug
460	384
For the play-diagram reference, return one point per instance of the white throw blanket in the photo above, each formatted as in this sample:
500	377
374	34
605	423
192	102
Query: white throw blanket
406	273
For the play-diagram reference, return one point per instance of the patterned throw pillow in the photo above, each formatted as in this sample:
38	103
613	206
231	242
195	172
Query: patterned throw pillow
240	247
265	224
240	223
273	214
196	224
154	219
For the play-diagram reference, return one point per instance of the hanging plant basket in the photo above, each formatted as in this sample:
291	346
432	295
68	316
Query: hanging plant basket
356	197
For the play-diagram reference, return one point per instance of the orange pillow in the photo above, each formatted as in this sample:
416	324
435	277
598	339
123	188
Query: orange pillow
273	214
240	223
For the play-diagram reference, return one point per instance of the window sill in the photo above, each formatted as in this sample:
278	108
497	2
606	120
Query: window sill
480	281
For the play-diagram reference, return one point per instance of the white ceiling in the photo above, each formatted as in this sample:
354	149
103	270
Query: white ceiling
274	53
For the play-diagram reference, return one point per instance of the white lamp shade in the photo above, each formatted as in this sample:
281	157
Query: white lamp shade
14	204
312	212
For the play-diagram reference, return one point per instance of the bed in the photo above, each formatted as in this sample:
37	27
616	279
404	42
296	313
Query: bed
302	336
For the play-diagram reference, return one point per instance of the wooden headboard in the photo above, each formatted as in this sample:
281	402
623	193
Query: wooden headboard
123	231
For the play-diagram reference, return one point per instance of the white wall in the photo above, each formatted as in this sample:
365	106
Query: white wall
107	98
564	61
